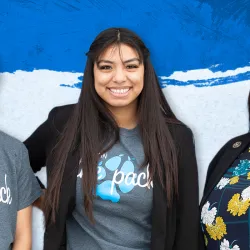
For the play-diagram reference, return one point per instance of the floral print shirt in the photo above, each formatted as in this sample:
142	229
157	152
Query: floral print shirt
225	216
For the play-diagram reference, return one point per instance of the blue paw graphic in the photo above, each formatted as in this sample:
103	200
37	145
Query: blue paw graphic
101	172
113	163
126	185
107	190
103	190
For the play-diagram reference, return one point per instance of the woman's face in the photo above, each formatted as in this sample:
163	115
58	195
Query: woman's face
119	76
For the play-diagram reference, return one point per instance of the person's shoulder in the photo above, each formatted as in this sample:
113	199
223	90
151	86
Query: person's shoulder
59	116
236	142
232	147
11	149
179	127
61	111
240	139
9	143
180	131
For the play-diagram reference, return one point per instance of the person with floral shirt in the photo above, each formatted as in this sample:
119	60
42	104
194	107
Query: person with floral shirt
225	206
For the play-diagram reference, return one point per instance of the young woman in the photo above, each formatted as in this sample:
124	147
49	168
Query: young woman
18	190
121	168
225	205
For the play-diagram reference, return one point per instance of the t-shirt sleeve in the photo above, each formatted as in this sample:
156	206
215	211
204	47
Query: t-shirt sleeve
27	184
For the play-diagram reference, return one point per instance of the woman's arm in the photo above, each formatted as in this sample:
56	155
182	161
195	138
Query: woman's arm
23	236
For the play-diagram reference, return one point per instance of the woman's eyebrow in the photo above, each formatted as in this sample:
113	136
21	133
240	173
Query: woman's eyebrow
111	62
132	60
104	61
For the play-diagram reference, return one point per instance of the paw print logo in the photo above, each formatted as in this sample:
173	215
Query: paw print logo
122	180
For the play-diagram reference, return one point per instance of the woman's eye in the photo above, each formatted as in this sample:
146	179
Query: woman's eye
105	67
132	66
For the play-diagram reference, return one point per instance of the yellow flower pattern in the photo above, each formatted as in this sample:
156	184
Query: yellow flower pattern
218	230
234	180
229	205
248	176
237	206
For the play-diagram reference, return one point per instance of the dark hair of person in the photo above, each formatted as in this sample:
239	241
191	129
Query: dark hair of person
249	106
92	130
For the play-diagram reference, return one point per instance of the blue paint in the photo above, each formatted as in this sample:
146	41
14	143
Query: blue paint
182	35
77	85
198	83
238	11
208	82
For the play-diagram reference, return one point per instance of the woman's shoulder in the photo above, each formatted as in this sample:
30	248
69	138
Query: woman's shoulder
59	116
180	132
61	111
237	142
245	138
230	151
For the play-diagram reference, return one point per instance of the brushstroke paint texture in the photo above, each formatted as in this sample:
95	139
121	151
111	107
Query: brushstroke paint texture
182	35
193	43
197	77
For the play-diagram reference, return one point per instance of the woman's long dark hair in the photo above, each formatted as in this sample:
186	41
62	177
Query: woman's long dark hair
92	130
249	106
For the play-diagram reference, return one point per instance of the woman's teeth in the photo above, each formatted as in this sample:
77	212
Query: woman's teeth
119	91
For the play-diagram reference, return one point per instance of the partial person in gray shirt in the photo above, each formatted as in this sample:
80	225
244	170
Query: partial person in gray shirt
18	190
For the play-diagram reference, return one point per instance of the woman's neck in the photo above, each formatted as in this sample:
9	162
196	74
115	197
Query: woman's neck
126	117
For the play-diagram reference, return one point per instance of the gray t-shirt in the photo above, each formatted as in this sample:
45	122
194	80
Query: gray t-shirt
18	186
123	206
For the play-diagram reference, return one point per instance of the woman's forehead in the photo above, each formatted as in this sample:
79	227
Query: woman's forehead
121	52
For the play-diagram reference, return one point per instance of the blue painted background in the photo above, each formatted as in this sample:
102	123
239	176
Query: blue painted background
181	34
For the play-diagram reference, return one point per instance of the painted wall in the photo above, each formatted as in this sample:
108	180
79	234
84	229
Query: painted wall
200	50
